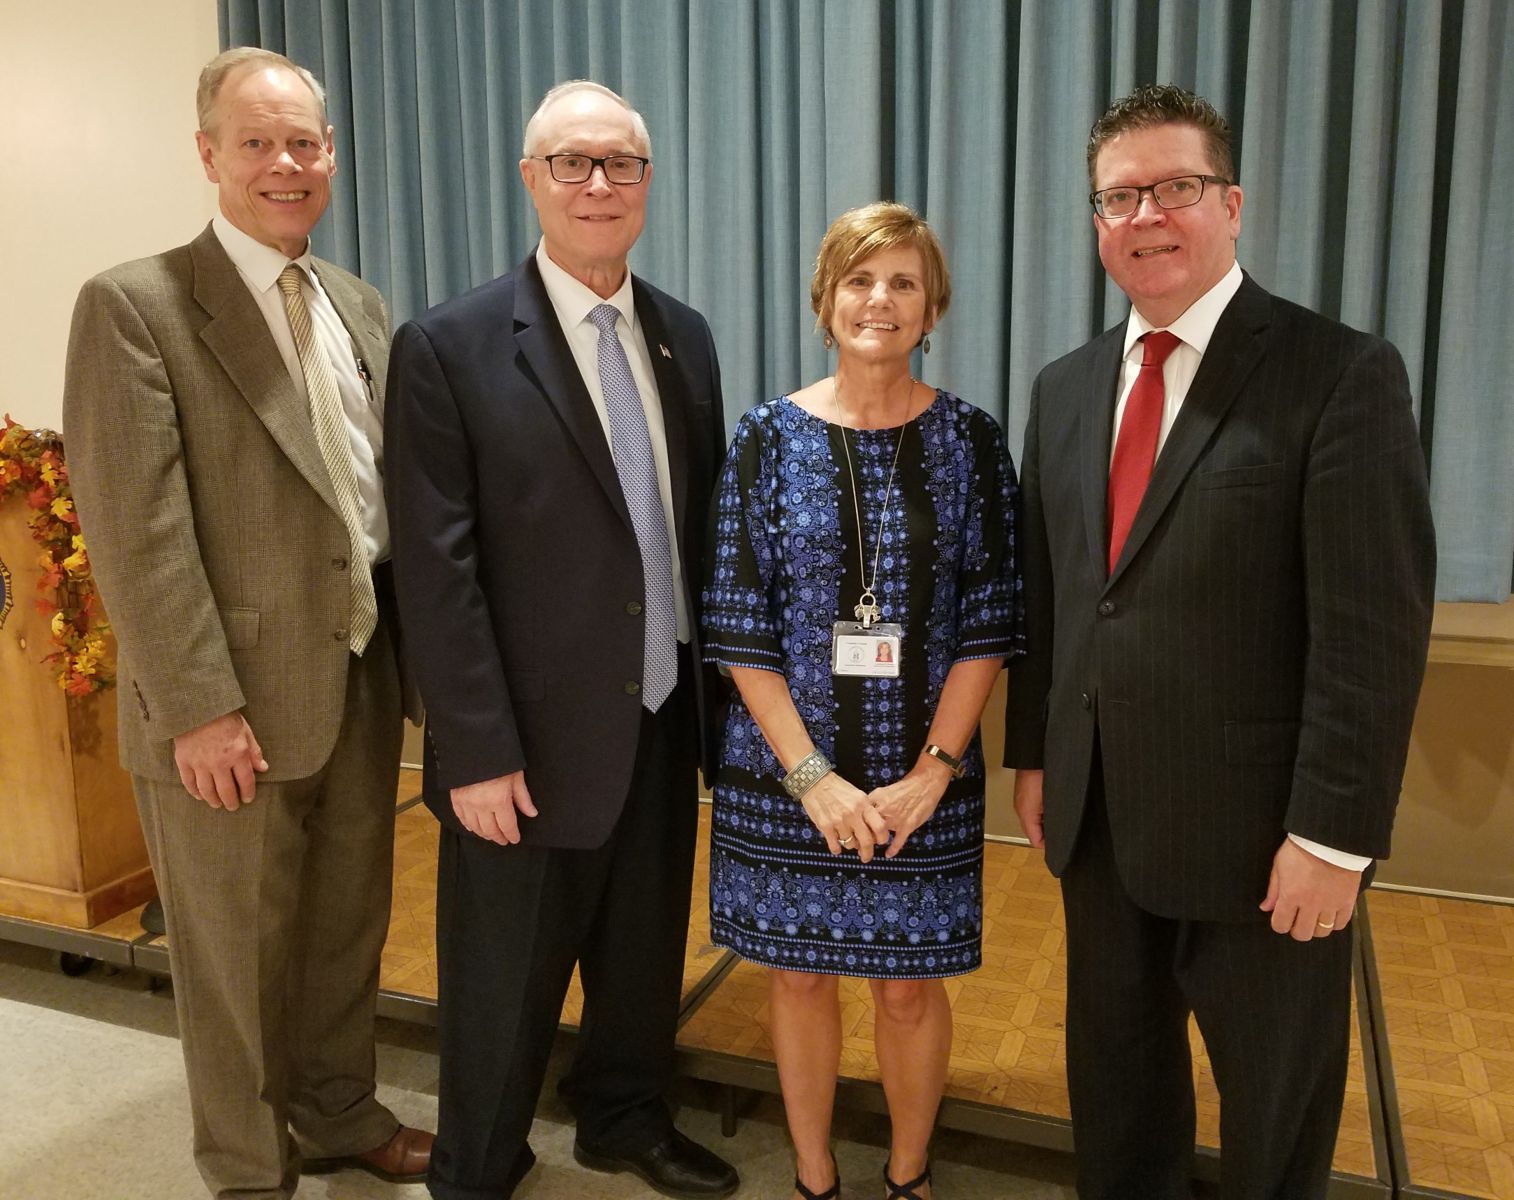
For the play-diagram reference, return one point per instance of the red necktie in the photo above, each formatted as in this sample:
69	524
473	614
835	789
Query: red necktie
1136	448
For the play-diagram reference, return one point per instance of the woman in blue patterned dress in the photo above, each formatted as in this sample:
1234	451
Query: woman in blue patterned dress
863	597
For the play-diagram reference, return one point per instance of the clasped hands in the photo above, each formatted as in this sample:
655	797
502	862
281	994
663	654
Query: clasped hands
886	816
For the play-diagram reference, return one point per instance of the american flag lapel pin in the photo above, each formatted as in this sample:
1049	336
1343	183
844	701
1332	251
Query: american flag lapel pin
666	353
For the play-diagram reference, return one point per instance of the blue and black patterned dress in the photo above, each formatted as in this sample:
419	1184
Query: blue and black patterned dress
785	567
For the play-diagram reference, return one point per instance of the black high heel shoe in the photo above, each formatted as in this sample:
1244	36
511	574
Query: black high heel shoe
905	1191
830	1193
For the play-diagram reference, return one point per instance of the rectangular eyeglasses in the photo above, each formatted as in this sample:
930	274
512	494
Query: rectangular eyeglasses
620	169
1178	192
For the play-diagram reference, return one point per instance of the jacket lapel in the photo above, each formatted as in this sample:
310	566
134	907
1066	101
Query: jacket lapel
1097	436
672	393
545	348
238	336
1233	352
365	322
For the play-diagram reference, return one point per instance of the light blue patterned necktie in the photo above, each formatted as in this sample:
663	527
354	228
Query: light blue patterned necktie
631	446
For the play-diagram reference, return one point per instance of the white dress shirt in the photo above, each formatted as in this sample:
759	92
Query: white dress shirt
260	267
1194	329
573	301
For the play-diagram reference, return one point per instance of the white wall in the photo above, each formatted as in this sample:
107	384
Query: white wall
97	164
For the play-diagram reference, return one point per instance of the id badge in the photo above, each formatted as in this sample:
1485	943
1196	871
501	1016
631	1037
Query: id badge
858	649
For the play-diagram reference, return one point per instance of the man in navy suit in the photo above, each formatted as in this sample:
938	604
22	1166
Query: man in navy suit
556	436
1229	568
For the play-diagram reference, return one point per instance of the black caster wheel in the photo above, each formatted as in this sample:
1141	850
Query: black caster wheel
74	965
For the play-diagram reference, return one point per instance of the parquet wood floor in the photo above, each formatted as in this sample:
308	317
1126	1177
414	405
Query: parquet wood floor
409	787
1445	967
1008	1048
1446	972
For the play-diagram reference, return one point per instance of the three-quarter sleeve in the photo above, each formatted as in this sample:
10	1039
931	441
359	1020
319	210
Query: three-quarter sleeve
990	607
740	626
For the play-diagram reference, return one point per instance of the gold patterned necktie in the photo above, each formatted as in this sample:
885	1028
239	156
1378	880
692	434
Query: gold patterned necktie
331	436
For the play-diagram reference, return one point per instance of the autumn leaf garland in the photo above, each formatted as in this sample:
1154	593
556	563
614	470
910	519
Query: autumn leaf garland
31	465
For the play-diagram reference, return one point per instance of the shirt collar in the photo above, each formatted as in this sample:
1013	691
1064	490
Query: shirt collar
260	265
1196	326
573	299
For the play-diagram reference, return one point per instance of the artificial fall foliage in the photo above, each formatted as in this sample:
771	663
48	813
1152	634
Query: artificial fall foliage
32	466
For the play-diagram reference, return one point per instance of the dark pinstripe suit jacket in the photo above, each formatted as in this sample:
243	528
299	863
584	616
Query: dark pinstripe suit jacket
1251	666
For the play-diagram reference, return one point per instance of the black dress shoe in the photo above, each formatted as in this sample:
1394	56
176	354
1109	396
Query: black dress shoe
675	1167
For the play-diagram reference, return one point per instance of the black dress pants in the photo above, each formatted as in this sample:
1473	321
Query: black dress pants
511	923
1275	1017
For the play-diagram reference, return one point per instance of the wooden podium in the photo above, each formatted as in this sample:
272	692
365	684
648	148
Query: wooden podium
71	848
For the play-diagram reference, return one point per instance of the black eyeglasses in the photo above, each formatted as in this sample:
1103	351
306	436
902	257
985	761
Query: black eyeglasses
1178	192
620	169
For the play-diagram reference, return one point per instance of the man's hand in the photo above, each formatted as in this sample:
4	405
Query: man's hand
908	803
1307	896
219	761
488	808
841	810
1029	806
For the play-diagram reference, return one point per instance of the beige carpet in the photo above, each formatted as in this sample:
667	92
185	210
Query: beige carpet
92	1108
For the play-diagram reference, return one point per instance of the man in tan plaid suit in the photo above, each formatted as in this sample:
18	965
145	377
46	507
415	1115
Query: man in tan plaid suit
224	424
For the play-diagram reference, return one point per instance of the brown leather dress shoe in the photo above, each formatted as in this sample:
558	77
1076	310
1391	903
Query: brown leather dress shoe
402	1159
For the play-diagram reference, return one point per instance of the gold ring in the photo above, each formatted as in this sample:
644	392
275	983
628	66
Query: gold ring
847	842
1323	925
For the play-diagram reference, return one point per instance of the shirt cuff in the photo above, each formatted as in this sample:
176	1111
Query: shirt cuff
1338	858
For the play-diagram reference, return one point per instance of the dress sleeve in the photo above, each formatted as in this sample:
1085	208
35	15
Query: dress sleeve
740	628
991	610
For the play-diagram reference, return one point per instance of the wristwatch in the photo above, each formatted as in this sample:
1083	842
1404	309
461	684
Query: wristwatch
954	765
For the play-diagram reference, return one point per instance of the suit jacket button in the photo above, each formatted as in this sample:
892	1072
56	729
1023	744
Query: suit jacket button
1086	700
634	608
1106	609
340	635
339	563
632	687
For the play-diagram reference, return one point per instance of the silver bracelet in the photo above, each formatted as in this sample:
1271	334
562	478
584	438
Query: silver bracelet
807	772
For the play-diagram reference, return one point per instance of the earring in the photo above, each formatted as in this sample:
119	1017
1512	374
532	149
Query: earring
925	344
829	340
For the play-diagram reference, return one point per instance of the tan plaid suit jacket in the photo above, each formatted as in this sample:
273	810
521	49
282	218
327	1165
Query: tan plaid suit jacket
210	520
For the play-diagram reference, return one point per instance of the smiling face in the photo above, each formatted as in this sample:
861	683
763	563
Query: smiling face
270	157
1165	258
590	227
879	309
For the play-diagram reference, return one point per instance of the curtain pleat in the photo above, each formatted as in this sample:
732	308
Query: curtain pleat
1375	146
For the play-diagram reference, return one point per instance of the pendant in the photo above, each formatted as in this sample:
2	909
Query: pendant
867	609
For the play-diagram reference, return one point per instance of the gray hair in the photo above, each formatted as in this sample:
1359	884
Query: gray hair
219	69
533	126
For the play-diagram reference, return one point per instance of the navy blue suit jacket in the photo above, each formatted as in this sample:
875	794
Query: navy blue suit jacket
516	565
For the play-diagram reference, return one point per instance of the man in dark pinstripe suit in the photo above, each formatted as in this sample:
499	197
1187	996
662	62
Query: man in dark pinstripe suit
1229	568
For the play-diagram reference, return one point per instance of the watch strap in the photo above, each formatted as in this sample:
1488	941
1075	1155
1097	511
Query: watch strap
950	762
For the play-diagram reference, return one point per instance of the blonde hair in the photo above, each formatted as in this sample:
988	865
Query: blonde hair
219	69
568	88
860	233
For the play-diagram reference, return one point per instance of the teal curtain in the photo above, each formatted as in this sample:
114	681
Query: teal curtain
1376	148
